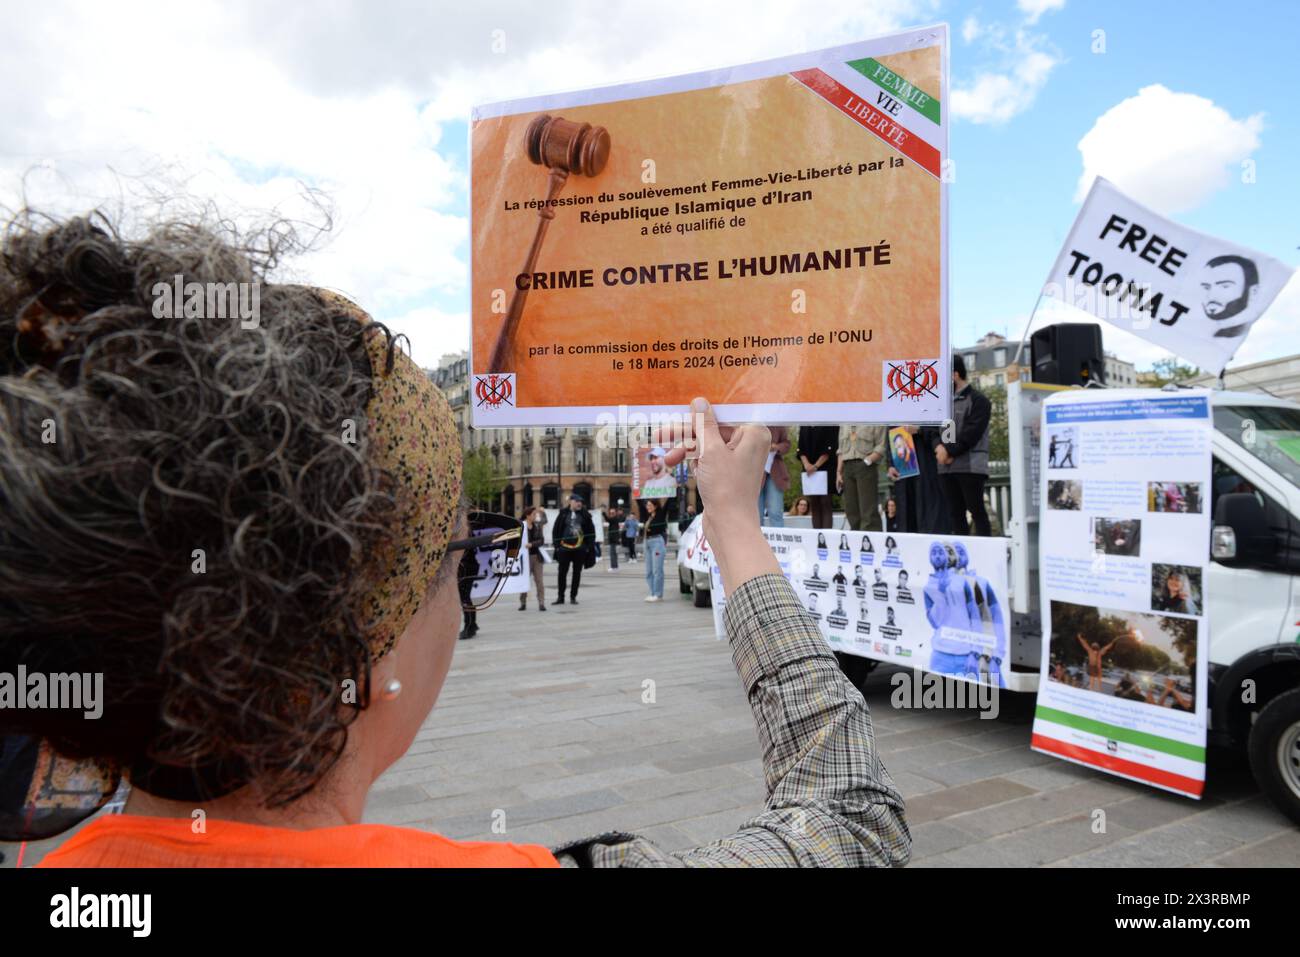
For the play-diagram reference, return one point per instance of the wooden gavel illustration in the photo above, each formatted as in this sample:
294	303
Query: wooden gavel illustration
566	147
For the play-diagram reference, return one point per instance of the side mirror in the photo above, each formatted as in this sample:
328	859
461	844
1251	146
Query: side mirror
1241	532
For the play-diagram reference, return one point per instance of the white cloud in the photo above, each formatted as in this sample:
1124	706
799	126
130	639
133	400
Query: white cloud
244	103
1168	150
971	29
1033	9
997	96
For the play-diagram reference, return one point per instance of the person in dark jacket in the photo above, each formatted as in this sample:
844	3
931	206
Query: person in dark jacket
573	535
922	504
964	462
817	445
685	519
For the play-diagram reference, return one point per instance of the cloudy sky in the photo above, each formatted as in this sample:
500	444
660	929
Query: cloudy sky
254	104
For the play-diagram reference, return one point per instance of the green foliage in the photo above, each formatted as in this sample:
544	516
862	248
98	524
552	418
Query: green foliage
1171	370
999	431
484	480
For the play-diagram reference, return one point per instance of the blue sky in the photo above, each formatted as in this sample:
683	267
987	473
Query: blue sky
367	101
1013	199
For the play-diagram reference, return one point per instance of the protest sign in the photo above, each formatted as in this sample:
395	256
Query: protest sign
931	602
1190	293
902	452
813	483
1123	550
772	236
651	478
492	565
693	548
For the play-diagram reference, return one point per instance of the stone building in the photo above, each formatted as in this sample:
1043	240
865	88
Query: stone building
542	465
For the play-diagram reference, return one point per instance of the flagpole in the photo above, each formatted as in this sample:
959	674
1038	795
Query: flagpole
1020	346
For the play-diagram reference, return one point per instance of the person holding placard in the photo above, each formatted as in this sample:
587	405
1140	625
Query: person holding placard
817	447
535	532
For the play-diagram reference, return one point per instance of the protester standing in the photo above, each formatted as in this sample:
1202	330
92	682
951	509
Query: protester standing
964	462
922	504
656	546
684	521
771	495
613	528
469	617
573	535
631	526
817	445
535	535
858	455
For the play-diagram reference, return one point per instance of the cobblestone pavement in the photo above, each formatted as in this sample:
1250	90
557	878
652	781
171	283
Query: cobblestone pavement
542	731
542	724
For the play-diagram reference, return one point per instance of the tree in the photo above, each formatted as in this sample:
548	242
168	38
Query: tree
1171	370
484	480
999	432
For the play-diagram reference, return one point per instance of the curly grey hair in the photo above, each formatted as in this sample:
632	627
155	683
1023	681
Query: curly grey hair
127	444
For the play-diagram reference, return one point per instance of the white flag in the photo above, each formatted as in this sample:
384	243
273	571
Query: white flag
1192	294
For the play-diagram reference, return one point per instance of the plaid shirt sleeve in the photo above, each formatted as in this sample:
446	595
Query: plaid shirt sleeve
830	801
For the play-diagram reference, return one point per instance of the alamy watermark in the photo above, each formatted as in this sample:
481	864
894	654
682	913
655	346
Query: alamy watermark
208	300
60	691
929	691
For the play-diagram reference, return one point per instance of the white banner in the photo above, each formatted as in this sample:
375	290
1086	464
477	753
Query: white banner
932	602
1190	293
1123	550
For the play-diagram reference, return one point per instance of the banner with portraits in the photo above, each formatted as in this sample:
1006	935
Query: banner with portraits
1193	294
1123	565
932	602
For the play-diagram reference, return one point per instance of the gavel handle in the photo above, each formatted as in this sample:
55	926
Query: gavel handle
506	337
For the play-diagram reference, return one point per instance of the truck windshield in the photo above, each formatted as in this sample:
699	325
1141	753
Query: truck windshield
1269	433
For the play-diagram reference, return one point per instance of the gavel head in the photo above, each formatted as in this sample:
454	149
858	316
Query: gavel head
555	142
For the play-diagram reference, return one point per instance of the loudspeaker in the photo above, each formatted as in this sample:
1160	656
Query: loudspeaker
1068	353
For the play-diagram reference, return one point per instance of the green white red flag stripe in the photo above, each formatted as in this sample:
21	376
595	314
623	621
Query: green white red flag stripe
855	107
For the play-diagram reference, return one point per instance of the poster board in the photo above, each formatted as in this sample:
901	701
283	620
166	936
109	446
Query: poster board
772	235
932	602
1124	550
651	478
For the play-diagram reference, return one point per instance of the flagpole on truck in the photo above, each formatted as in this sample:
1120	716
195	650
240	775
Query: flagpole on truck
1020	346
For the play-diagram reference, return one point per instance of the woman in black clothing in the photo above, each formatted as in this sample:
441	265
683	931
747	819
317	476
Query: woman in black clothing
817	446
656	546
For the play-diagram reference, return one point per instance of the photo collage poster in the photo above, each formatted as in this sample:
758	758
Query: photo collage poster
1123	555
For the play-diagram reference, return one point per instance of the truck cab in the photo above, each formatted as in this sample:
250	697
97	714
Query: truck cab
1253	592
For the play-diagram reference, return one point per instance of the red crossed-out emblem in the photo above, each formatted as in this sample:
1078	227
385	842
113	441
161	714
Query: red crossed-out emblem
494	390
912	379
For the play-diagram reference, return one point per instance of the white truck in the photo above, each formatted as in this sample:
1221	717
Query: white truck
1253	592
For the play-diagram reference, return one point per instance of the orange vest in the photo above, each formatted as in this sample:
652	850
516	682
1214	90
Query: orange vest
125	840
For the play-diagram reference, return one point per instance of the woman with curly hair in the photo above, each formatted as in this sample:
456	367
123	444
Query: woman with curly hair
253	531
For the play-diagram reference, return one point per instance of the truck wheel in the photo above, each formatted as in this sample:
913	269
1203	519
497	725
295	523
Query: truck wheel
1275	752
703	598
683	585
